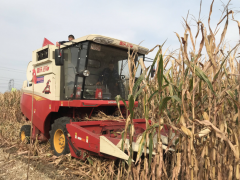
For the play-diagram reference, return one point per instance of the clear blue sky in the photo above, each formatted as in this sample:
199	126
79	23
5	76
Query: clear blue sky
25	23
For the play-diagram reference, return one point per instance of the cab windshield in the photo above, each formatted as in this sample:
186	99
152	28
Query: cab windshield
109	74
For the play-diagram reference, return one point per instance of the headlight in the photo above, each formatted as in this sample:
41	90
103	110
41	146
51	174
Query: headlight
86	72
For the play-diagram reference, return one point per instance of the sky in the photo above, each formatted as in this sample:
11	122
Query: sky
24	24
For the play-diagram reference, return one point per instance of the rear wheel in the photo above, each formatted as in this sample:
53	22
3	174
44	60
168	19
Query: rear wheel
25	133
58	139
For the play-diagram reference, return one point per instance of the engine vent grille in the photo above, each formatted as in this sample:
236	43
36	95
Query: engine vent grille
42	54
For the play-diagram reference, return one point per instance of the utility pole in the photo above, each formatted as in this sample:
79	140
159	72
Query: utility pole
11	84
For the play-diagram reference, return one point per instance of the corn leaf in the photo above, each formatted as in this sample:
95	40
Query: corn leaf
90	161
160	73
203	77
138	82
233	99
141	145
122	141
139	91
151	147
154	62
163	103
152	95
131	105
118	98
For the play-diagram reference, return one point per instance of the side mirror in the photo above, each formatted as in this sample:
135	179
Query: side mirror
152	72
59	61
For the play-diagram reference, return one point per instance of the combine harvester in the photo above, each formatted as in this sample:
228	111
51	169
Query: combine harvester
66	93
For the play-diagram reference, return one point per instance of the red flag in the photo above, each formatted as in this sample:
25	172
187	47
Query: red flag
46	42
34	77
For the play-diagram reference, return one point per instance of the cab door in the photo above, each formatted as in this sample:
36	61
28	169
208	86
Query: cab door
74	62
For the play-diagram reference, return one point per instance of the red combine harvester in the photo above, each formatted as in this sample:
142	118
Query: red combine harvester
74	81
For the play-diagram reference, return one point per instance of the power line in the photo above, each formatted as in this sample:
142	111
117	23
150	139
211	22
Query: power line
9	77
12	68
2	77
4	80
12	71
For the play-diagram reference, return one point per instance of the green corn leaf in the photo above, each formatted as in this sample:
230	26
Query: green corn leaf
165	79
164	86
163	103
138	82
141	145
190	84
89	160
150	148
186	72
233	98
216	75
160	73
124	103
180	85
118	98
225	71
155	59
176	141
154	126
122	141
203	77
177	99
170	78
153	64
203	100
152	95
139	91
131	105
175	87
146	111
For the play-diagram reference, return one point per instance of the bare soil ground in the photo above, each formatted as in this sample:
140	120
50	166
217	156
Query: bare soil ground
13	166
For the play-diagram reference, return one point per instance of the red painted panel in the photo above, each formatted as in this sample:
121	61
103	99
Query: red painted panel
91	103
41	109
83	139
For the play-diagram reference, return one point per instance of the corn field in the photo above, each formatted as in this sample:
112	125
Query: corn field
195	92
198	97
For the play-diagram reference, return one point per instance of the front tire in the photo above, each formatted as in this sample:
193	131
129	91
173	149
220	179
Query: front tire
58	139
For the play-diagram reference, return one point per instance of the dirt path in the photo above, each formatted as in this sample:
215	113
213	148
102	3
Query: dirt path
12	168
15	168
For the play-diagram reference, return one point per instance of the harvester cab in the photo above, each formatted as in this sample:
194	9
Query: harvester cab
75	81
